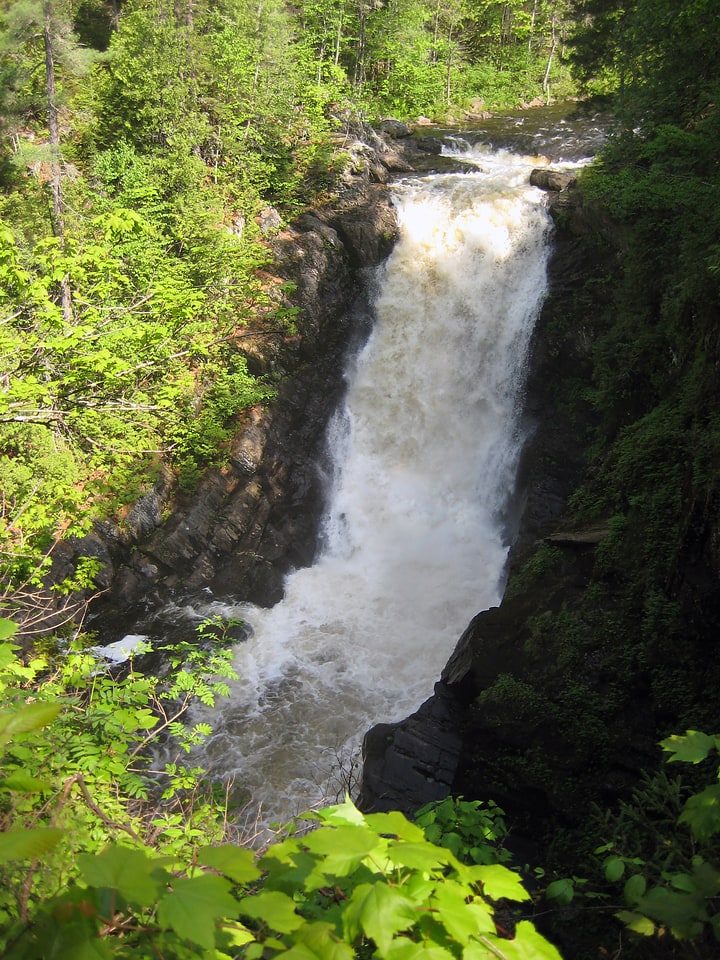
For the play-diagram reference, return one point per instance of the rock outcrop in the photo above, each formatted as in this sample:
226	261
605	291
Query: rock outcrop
256	517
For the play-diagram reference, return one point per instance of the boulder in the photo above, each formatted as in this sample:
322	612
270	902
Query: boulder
552	180
394	128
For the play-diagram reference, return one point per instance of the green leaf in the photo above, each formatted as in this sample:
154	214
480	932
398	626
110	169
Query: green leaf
690	747
614	869
403	949
395	824
479	951
123	869
194	905
527	944
273	908
236	935
237	863
31	716
341	813
343	847
378	911
27	844
8	655
682	912
702	812
418	856
318	941
637	922
7	629
562	891
462	918
635	887
20	782
81	943
499	882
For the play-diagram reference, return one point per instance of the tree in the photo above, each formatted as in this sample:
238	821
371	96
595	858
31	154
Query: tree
44	30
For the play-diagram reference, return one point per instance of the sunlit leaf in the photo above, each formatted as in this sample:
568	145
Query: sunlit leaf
274	908
341	813
27	844
7	628
318	941
31	716
418	856
403	949
690	747
527	944
637	922
499	882
194	906
20	782
462	919
378	911
395	824
238	863
343	847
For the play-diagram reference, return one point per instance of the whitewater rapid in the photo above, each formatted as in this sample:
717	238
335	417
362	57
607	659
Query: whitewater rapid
424	453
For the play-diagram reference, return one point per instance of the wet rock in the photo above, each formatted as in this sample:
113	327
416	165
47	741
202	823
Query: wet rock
394	128
552	180
410	764
147	513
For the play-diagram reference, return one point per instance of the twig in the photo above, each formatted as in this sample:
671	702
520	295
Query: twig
79	779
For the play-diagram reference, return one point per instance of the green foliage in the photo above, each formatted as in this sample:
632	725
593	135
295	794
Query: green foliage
92	402
661	57
472	829
200	441
376	883
670	877
80	877
96	774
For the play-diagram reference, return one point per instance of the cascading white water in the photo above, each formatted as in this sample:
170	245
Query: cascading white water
425	452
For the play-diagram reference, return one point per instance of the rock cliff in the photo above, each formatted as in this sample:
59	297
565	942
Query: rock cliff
554	702
256	517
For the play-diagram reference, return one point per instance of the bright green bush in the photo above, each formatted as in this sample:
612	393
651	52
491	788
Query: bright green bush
105	853
89	758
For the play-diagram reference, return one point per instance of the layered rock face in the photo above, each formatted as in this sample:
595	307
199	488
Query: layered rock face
256	517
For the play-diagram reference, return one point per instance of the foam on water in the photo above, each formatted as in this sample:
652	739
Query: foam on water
425	452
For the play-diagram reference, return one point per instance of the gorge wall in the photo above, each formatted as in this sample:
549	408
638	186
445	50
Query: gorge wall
555	700
553	703
256	517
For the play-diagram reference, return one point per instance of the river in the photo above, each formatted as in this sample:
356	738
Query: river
424	454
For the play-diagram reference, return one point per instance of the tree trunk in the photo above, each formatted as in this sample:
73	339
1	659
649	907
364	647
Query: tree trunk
553	45
58	217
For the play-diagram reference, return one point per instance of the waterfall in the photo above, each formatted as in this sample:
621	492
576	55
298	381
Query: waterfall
424	456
